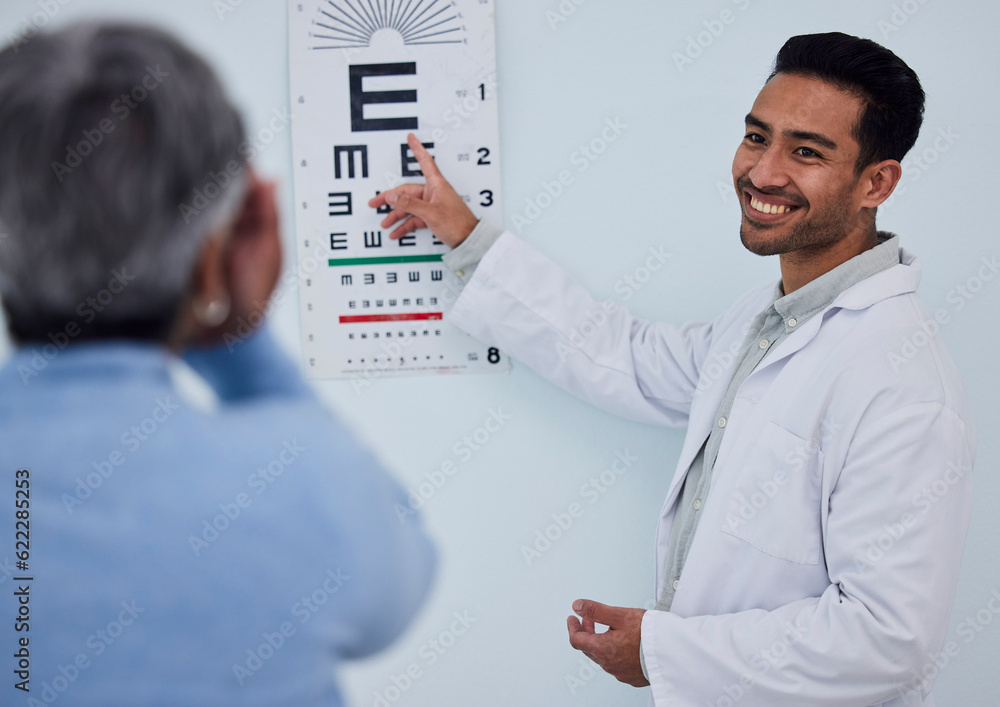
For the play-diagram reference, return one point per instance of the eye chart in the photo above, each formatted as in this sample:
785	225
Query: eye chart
364	74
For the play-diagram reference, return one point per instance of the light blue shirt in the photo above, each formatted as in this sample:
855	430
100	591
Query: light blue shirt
188	558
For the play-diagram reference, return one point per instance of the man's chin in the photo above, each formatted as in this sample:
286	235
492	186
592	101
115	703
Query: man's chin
760	240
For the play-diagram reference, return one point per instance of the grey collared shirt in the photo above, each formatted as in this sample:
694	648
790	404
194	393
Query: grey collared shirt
783	316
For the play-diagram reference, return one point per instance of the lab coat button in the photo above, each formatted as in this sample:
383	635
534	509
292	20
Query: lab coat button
722	422
697	504
460	273
676	582
764	343
792	322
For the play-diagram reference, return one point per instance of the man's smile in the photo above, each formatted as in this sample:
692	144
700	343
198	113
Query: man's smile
768	209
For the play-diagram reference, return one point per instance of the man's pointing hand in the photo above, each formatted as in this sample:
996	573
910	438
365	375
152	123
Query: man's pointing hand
434	205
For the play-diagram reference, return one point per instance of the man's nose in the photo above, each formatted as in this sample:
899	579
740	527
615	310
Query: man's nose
770	170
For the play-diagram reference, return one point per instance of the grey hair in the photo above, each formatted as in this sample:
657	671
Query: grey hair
119	153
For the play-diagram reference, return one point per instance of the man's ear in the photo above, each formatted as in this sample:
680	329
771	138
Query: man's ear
879	181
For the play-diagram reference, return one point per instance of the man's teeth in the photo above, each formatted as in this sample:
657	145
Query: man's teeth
769	208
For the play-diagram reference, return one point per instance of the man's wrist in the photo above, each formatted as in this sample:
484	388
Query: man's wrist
465	258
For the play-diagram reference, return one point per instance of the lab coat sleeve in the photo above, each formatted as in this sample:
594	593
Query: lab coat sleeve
524	304
897	519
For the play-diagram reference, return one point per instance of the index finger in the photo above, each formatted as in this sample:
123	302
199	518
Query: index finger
579	637
427	164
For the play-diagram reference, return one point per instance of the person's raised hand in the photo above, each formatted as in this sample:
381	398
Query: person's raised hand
434	205
616	650
254	253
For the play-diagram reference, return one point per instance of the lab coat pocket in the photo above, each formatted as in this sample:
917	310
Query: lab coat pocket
776	505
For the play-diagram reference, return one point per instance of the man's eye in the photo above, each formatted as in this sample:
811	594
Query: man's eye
754	137
806	152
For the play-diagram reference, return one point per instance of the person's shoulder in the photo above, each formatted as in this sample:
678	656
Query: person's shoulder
896	349
275	422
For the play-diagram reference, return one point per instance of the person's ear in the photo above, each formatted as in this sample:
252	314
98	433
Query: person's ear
208	303
236	272
212	301
879	181
253	257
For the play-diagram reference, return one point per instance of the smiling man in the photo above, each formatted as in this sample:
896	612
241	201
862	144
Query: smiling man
811	197
800	557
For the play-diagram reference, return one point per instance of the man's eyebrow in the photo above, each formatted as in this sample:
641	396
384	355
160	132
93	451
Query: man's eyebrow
752	119
812	137
818	138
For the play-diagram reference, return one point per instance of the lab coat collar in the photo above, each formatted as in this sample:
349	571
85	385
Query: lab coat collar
818	294
898	280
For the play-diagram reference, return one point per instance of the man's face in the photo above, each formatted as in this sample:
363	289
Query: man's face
794	170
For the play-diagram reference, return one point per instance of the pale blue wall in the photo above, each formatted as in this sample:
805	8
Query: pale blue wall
656	186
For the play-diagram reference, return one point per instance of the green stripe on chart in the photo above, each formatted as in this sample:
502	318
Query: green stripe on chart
390	260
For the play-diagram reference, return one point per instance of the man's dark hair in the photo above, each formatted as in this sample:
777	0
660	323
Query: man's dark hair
892	99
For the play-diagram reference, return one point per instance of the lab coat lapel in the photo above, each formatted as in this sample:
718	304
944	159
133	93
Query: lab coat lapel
706	403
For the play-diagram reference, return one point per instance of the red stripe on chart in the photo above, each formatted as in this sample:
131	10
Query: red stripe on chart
368	318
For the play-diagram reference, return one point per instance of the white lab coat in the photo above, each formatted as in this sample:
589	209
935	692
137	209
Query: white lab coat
824	567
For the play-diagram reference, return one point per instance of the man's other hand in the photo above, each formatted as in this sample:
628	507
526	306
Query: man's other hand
616	650
434	205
